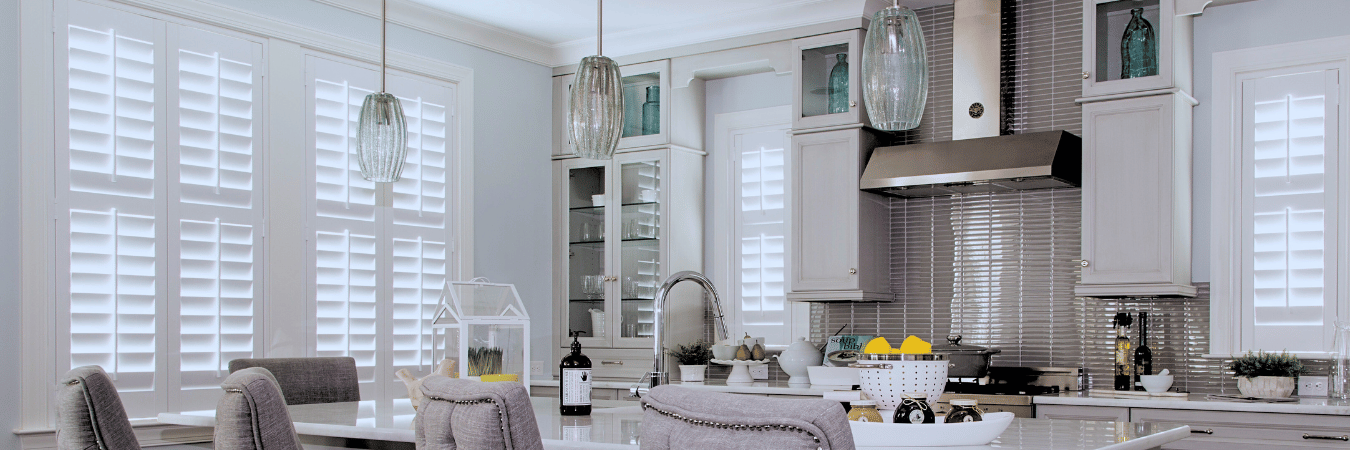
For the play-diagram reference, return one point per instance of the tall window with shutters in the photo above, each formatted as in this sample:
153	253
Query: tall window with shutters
1290	189
159	204
381	252
759	212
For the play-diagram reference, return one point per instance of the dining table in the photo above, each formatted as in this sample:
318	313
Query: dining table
617	424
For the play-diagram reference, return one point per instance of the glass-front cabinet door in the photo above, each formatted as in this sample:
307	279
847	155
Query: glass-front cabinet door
639	183
1130	45
614	247
828	90
646	99
587	244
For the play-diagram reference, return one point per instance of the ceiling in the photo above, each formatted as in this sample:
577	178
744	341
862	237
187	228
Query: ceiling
561	32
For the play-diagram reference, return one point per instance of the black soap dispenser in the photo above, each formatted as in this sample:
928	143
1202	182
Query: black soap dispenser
576	381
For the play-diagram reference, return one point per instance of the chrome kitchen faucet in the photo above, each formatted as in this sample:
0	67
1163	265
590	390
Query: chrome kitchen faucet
658	374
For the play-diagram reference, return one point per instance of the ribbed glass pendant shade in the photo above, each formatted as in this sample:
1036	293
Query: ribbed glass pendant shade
381	138
595	108
895	70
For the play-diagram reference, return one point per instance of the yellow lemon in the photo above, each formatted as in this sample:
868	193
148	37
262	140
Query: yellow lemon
877	345
913	344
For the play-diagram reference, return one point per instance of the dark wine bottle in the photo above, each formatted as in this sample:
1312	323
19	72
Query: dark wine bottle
1143	356
576	381
1124	379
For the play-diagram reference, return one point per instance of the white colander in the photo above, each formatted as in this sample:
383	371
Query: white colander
887	377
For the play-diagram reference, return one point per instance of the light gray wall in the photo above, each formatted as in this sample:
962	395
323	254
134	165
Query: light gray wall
10	305
1239	26
725	95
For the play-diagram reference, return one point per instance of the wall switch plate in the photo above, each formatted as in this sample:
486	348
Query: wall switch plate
1312	386
537	369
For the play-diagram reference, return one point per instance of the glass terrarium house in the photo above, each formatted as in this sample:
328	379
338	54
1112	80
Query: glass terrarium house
485	331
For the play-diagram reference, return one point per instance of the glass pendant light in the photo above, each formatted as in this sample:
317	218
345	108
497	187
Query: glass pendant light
382	133
595	106
895	69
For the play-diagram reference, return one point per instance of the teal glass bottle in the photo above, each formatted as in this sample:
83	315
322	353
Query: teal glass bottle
1138	48
839	85
651	111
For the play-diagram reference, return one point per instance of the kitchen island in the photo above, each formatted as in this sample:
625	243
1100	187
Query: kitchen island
617	425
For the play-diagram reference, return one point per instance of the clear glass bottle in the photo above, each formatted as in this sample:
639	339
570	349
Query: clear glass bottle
1340	369
1124	379
1138	47
839	84
651	111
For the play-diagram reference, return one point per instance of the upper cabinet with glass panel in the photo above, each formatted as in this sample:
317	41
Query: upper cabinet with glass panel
1133	46
827	88
646	107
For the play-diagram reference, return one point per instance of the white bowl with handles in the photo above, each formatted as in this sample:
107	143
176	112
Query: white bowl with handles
887	377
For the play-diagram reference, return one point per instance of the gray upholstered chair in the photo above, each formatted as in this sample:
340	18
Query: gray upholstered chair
89	414
252	416
471	415
310	380
679	418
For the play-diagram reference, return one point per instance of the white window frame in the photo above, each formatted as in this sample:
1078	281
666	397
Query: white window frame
284	45
726	127
1230	69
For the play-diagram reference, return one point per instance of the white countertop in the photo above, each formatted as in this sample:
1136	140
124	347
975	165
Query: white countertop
1311	405
758	387
617	425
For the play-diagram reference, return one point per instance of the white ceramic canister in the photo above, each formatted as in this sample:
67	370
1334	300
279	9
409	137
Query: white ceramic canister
797	358
887	377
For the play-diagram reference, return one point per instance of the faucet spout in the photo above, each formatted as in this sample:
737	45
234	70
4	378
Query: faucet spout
658	374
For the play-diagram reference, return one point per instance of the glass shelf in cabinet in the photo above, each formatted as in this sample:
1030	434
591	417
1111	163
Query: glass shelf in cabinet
586	300
625	205
645	239
587	243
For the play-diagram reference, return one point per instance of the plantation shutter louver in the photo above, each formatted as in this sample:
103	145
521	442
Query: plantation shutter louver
1289	149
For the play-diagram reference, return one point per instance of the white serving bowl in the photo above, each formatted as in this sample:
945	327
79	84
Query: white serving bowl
832	376
1156	383
871	435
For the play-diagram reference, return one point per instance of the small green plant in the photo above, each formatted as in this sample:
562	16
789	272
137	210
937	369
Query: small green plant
695	354
1262	364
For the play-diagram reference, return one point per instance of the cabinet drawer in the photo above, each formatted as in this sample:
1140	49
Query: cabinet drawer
1096	413
623	363
1225	430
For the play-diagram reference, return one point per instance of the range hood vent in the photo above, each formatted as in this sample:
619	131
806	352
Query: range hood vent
1048	159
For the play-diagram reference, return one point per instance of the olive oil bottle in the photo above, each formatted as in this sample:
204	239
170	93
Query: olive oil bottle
1143	356
576	381
1124	380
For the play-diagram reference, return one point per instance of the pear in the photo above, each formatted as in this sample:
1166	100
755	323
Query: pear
742	353
758	353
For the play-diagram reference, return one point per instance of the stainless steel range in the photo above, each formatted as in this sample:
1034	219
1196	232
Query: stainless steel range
1009	389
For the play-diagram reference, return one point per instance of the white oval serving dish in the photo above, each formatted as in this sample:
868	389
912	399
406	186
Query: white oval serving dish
868	435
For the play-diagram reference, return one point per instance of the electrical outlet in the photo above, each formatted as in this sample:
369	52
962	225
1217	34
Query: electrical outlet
1312	386
537	369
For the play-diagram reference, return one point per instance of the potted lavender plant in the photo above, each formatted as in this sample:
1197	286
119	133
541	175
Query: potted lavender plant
693	359
1266	375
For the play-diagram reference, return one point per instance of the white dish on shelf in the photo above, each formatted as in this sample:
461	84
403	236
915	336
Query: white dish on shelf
868	435
833	376
740	369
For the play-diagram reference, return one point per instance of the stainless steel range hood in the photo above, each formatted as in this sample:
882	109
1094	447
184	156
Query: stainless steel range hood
977	159
1020	161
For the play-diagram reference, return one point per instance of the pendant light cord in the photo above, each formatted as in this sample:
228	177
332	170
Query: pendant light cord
384	35
600	27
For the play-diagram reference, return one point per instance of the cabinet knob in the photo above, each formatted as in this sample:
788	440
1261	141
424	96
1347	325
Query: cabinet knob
1205	431
852	271
1083	263
611	363
1329	438
1087	75
852	104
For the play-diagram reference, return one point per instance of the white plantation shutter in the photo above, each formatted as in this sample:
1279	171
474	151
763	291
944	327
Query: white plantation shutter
761	231
1290	196
381	251
214	98
160	270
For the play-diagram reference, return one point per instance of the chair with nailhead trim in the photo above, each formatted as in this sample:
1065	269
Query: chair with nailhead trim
680	418
466	414
252	414
89	413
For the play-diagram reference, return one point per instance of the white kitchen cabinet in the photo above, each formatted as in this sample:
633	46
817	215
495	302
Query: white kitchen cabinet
679	112
1104	23
1226	430
610	256
1071	412
839	239
1137	197
818	57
